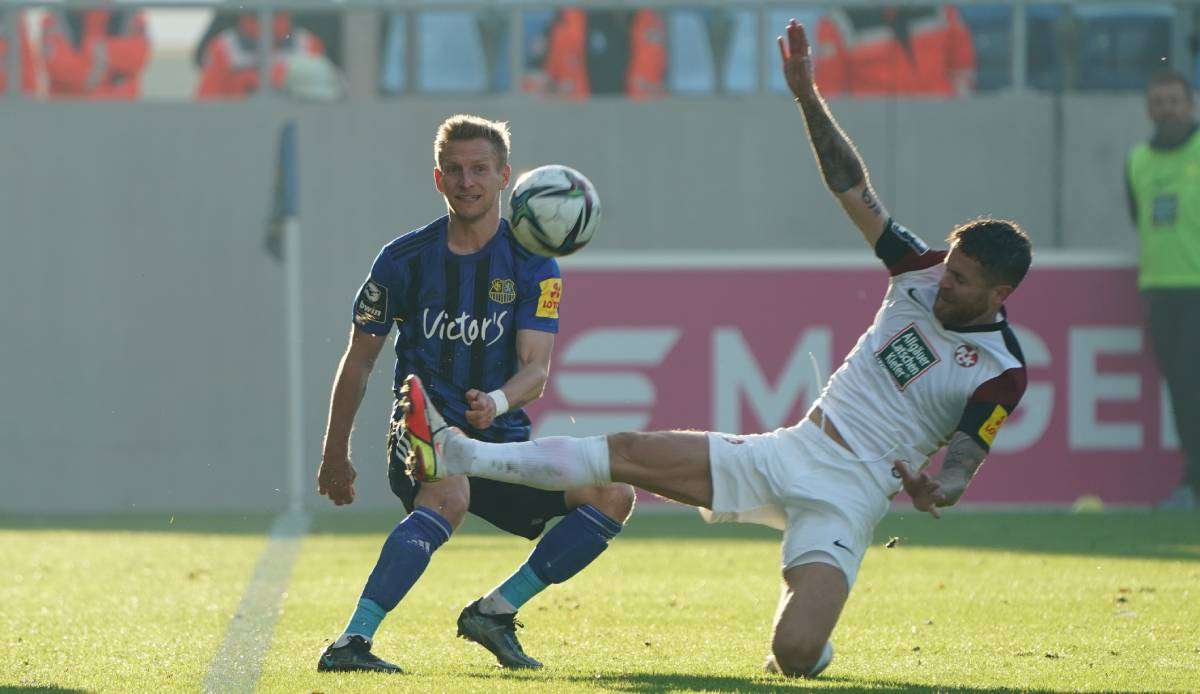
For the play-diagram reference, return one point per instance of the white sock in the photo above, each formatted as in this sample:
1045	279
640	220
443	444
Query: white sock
557	462
494	603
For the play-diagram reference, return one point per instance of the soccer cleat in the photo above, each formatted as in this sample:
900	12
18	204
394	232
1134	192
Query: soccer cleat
353	656
498	634
424	430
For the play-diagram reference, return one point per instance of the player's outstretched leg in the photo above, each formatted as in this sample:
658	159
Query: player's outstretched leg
437	450
566	549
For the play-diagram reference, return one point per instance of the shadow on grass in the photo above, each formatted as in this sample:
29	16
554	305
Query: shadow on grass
1129	534
665	682
45	689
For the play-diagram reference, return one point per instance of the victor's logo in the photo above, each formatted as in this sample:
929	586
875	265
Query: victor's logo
906	356
502	291
464	327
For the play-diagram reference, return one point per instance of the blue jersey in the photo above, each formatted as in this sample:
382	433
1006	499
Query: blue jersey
457	316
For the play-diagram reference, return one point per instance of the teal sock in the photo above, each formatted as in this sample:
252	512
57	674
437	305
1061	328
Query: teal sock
521	587
366	619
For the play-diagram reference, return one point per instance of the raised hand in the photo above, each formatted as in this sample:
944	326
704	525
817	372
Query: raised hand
926	492
797	61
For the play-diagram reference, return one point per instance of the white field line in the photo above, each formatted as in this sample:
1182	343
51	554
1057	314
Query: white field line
238	664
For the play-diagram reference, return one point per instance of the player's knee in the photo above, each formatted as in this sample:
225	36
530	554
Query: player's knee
796	656
451	498
615	501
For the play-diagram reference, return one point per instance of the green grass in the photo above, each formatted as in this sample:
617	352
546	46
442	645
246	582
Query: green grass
974	602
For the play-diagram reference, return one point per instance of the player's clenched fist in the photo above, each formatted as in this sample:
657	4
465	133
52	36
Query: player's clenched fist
797	61
481	409
335	479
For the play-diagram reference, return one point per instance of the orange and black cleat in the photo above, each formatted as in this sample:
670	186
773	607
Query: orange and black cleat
424	430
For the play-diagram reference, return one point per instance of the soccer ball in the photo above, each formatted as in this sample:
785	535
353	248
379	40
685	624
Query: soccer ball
555	210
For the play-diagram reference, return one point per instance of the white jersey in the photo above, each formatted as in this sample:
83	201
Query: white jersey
911	382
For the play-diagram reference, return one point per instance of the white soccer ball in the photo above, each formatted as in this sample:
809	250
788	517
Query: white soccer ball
555	210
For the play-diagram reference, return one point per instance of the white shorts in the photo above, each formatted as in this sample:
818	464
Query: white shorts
798	480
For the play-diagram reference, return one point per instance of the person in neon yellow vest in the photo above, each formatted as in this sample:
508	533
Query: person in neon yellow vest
1163	177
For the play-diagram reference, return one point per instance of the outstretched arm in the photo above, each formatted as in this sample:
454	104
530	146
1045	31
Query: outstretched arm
843	169
929	492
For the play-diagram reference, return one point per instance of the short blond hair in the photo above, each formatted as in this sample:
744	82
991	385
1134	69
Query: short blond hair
467	127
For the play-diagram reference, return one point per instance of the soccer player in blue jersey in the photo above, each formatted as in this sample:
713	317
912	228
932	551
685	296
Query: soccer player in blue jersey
475	315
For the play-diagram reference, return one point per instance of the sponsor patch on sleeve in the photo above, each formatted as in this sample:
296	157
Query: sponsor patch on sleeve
547	306
550	297
371	305
991	427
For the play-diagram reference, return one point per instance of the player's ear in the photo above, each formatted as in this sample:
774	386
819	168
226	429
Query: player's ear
505	172
1001	292
437	180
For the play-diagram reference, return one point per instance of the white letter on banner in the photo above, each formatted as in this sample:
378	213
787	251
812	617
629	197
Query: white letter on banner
1087	387
1037	405
736	372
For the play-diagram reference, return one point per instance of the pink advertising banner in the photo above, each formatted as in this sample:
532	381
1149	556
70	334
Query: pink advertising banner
745	349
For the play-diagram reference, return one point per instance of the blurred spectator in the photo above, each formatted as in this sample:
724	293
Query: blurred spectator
313	78
605	52
94	54
25	51
230	62
871	51
1163	176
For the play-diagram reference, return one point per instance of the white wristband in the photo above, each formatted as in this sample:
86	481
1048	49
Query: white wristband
500	400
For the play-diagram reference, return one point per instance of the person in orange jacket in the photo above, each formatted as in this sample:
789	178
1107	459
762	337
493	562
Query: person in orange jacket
606	52
872	51
230	60
26	54
94	54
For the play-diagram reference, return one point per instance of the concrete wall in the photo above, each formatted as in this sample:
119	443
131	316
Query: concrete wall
141	324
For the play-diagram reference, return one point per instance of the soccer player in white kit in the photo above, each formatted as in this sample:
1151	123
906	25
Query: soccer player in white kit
938	367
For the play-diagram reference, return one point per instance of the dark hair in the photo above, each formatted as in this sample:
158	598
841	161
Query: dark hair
999	245
1169	76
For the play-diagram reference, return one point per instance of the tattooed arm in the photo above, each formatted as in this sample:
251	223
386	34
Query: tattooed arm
841	166
963	458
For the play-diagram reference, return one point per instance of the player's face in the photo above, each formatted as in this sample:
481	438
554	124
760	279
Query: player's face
1168	105
965	296
470	177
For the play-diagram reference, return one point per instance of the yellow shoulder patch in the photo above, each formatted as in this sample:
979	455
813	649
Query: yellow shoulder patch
991	427
547	306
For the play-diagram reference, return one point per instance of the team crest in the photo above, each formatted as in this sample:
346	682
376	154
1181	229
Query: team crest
966	356
502	291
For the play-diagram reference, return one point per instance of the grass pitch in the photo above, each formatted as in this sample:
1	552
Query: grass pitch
977	602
